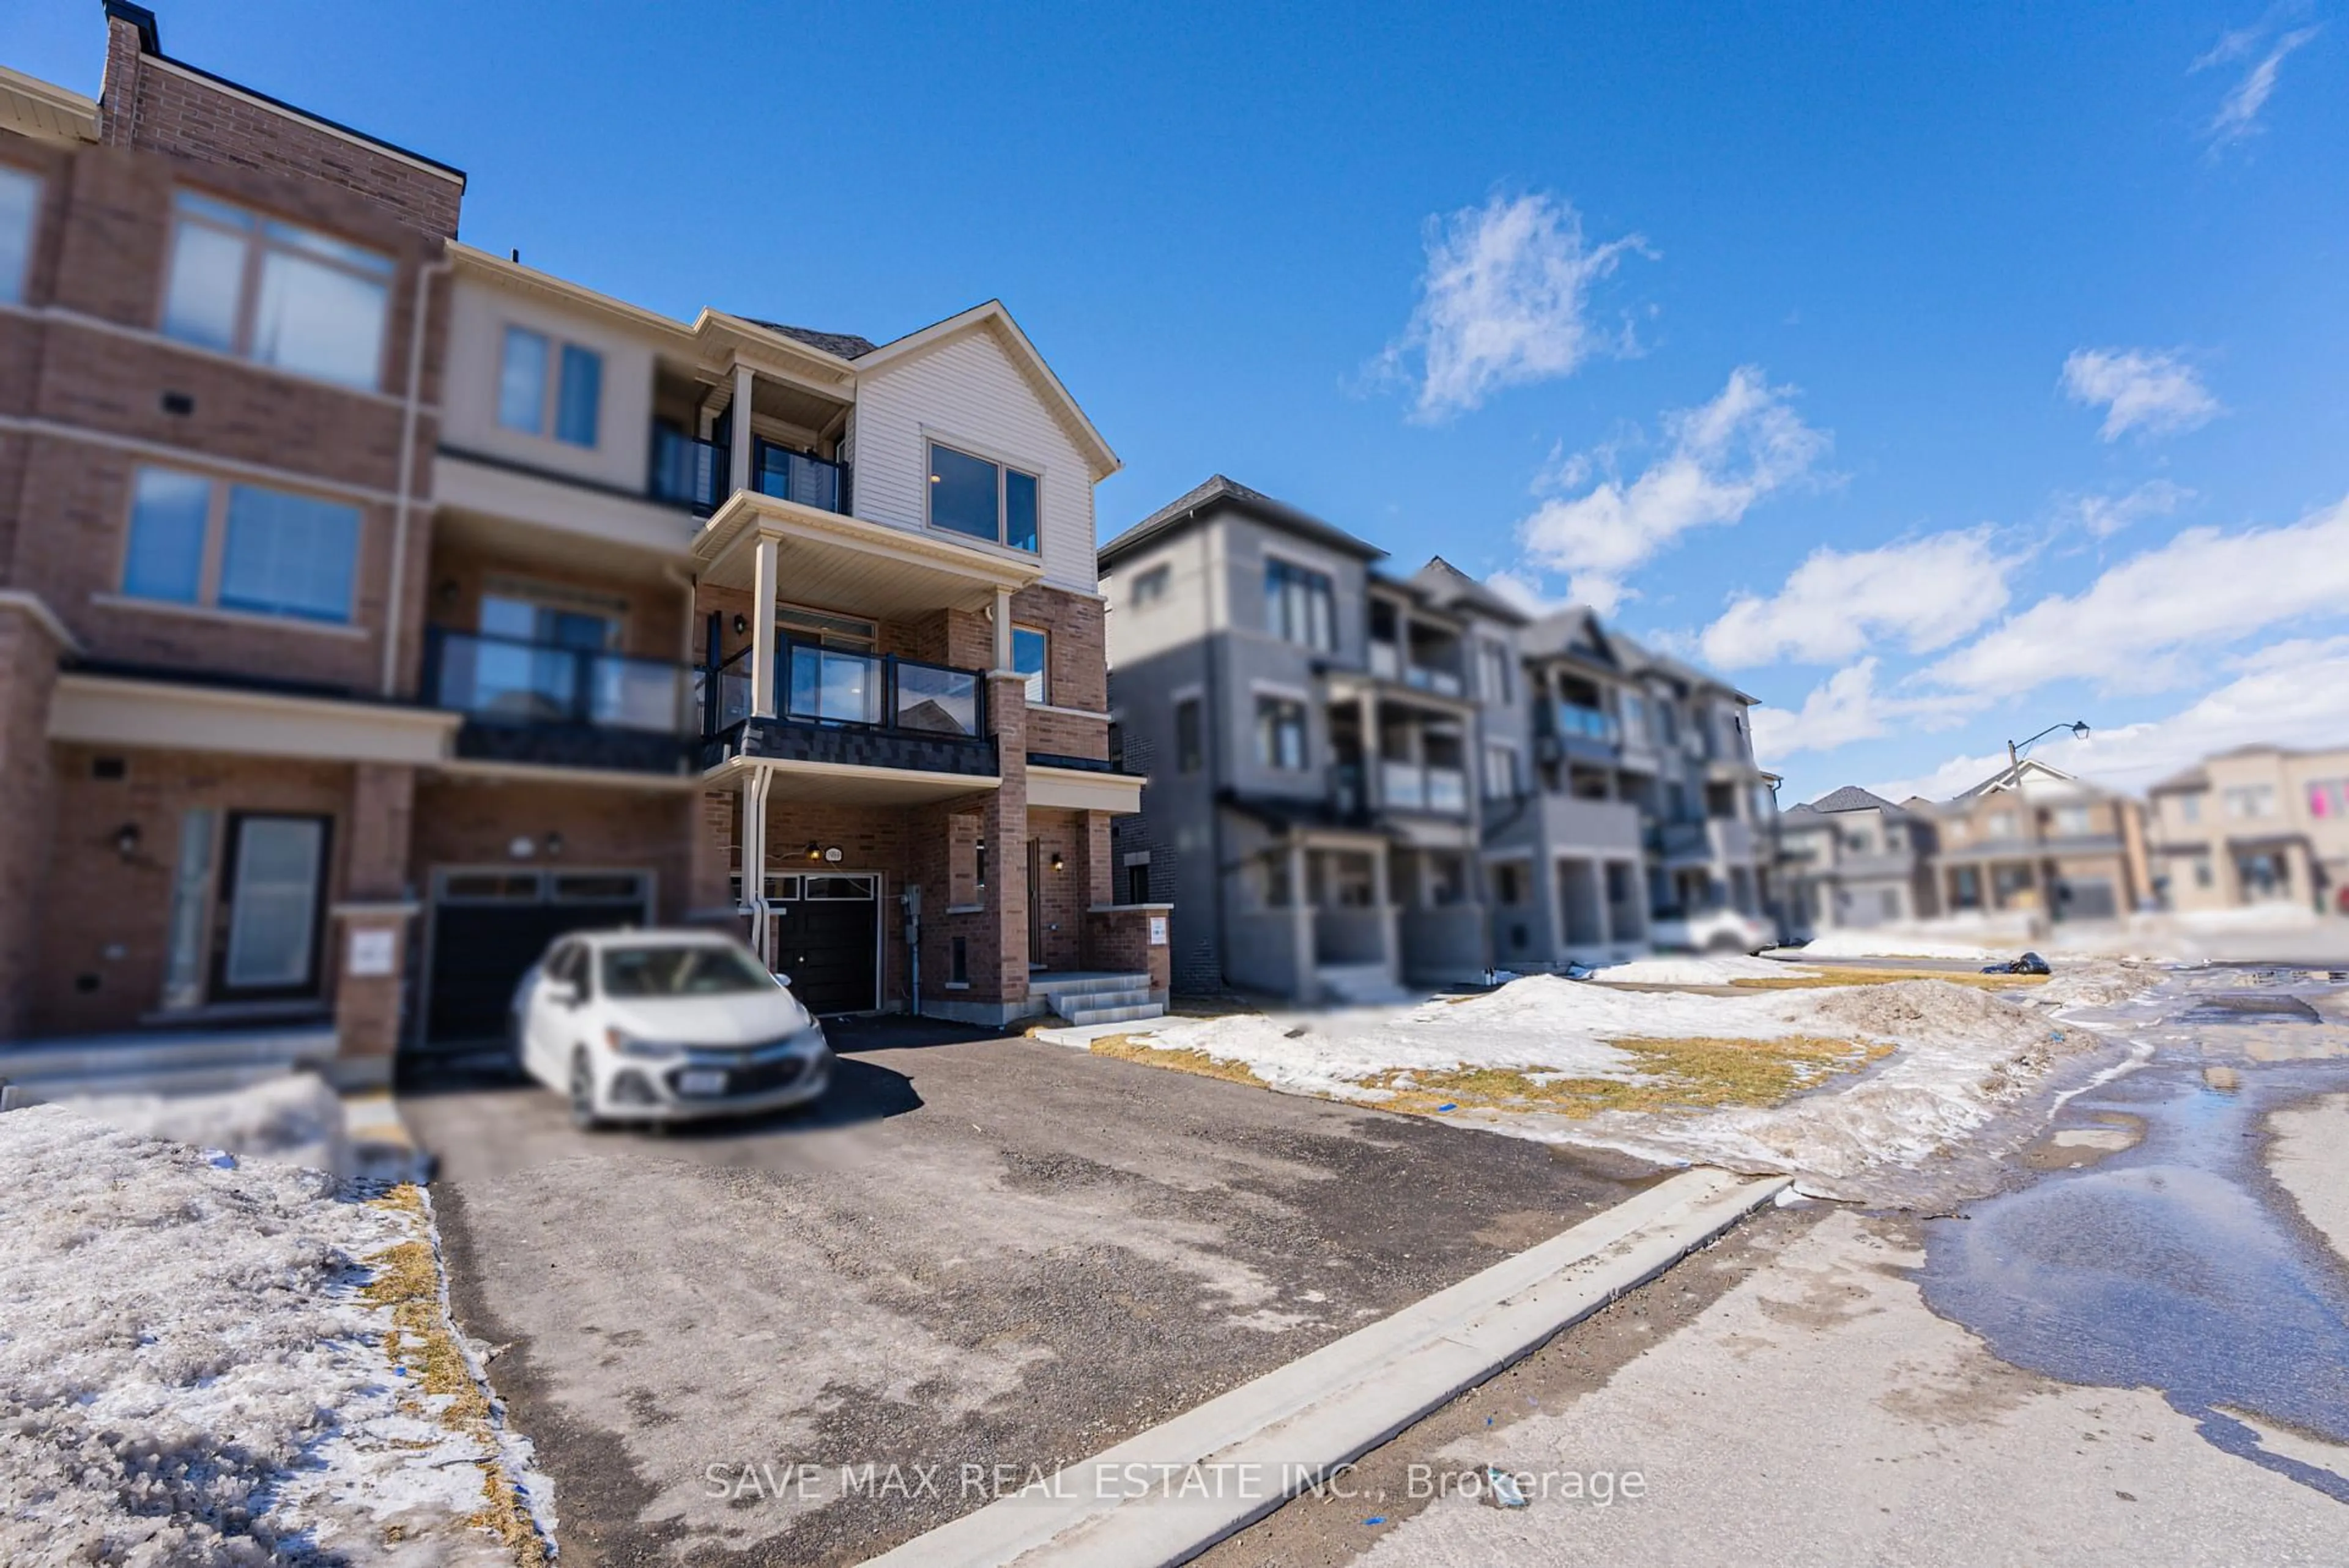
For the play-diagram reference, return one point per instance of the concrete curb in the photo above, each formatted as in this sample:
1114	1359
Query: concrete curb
1167	1494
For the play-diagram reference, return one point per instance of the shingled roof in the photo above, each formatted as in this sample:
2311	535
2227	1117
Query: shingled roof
1852	797
838	345
1222	491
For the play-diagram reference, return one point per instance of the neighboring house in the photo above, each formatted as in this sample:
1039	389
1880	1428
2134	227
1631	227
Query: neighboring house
1358	780
1854	858
2260	824
2033	838
376	609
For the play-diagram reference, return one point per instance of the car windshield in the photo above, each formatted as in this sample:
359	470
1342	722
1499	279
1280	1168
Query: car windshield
681	971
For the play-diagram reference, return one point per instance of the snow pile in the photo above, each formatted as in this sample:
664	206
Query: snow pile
1888	943
190	1374
1959	1054
1719	970
295	1119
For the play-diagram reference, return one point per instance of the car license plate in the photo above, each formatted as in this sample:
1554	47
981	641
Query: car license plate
701	1083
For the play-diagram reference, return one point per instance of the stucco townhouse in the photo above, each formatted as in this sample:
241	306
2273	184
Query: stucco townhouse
1359	780
373	608
2034	840
1853	858
2255	825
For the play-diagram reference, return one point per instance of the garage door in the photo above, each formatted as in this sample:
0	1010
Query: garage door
490	927
2090	898
828	939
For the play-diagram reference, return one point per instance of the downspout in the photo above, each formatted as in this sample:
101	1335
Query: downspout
411	407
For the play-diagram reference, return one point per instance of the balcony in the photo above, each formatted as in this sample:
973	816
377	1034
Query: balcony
697	474
1575	722
842	708
562	706
1571	822
1416	787
1388	661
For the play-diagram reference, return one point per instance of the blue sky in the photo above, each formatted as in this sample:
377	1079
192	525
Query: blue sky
1940	373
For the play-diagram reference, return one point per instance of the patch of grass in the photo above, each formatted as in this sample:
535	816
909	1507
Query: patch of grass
1690	1074
1132	1048
1886	977
407	1282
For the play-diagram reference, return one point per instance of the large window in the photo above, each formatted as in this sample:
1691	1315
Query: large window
20	204
1500	771
198	540
269	291
2246	801
549	389
1189	750
1299	606
1030	656
984	499
1492	673
1280	733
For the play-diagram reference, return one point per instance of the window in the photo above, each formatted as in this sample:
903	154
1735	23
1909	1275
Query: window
2328	798
2189	808
1299	606
1029	656
1150	587
2000	824
2202	877
983	499
1508	882
20	203
2248	800
1635	718
543	391
1493	672
195	540
1280	733
269	291
2074	821
1188	752
1500	772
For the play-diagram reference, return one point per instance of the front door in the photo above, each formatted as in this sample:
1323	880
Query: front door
827	938
271	907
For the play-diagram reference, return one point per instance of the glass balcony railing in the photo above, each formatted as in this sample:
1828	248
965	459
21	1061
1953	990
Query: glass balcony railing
1447	789
687	471
843	687
797	477
1587	723
1403	785
508	680
698	473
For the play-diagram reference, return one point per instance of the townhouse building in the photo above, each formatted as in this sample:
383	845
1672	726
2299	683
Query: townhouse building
376	608
1853	858
1360	780
2256	825
2033	839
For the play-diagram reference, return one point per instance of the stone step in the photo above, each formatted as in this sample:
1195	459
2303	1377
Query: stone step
1130	1013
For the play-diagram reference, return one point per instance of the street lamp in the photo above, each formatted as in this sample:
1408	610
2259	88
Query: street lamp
2014	751
2015	748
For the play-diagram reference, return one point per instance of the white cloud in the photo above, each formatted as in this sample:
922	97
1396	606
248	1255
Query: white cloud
2106	515
2141	389
1847	707
1505	299
1524	590
2239	111
1724	456
2291	694
1926	593
2133	628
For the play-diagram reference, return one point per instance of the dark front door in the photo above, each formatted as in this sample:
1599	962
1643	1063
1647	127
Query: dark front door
829	943
489	928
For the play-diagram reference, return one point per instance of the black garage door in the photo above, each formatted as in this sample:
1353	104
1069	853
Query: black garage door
489	927
827	939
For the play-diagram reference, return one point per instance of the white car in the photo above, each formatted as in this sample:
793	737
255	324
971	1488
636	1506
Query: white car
1714	931
649	1026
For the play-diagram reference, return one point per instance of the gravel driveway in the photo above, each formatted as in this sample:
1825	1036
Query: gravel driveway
978	1252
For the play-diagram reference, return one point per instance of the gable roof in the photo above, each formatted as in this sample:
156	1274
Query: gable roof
1558	632
2012	777
1219	492
992	315
1449	586
1852	797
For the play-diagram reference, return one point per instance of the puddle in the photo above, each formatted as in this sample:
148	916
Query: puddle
2175	1263
2249	1007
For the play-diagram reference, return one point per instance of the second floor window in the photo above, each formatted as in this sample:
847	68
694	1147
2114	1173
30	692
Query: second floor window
1189	753
200	541
1280	734
1299	606
2328	797
1150	587
20	204
2072	821
1500	772
1031	655
546	388
2250	800
269	291
2189	808
984	499
1493	675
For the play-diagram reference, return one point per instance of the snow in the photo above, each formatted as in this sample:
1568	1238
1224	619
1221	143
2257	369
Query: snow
190	1374
1888	943
1961	1052
295	1119
1721	970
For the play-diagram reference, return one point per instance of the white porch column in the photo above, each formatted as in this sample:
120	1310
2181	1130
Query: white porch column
738	451
1003	628
1383	900
1300	925
762	628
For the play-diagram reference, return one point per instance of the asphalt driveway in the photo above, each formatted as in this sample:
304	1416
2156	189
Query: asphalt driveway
978	1252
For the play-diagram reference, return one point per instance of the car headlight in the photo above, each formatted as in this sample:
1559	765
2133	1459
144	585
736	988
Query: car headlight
628	1045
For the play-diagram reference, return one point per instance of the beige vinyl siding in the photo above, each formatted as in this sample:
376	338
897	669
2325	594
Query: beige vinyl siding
968	391
477	334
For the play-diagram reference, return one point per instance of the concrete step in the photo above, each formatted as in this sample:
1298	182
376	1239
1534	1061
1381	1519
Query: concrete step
165	1081
1120	999
110	1055
1081	984
1133	1012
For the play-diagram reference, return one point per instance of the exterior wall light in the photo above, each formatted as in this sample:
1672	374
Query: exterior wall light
126	840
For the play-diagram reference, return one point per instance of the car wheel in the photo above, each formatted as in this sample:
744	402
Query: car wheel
583	1095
